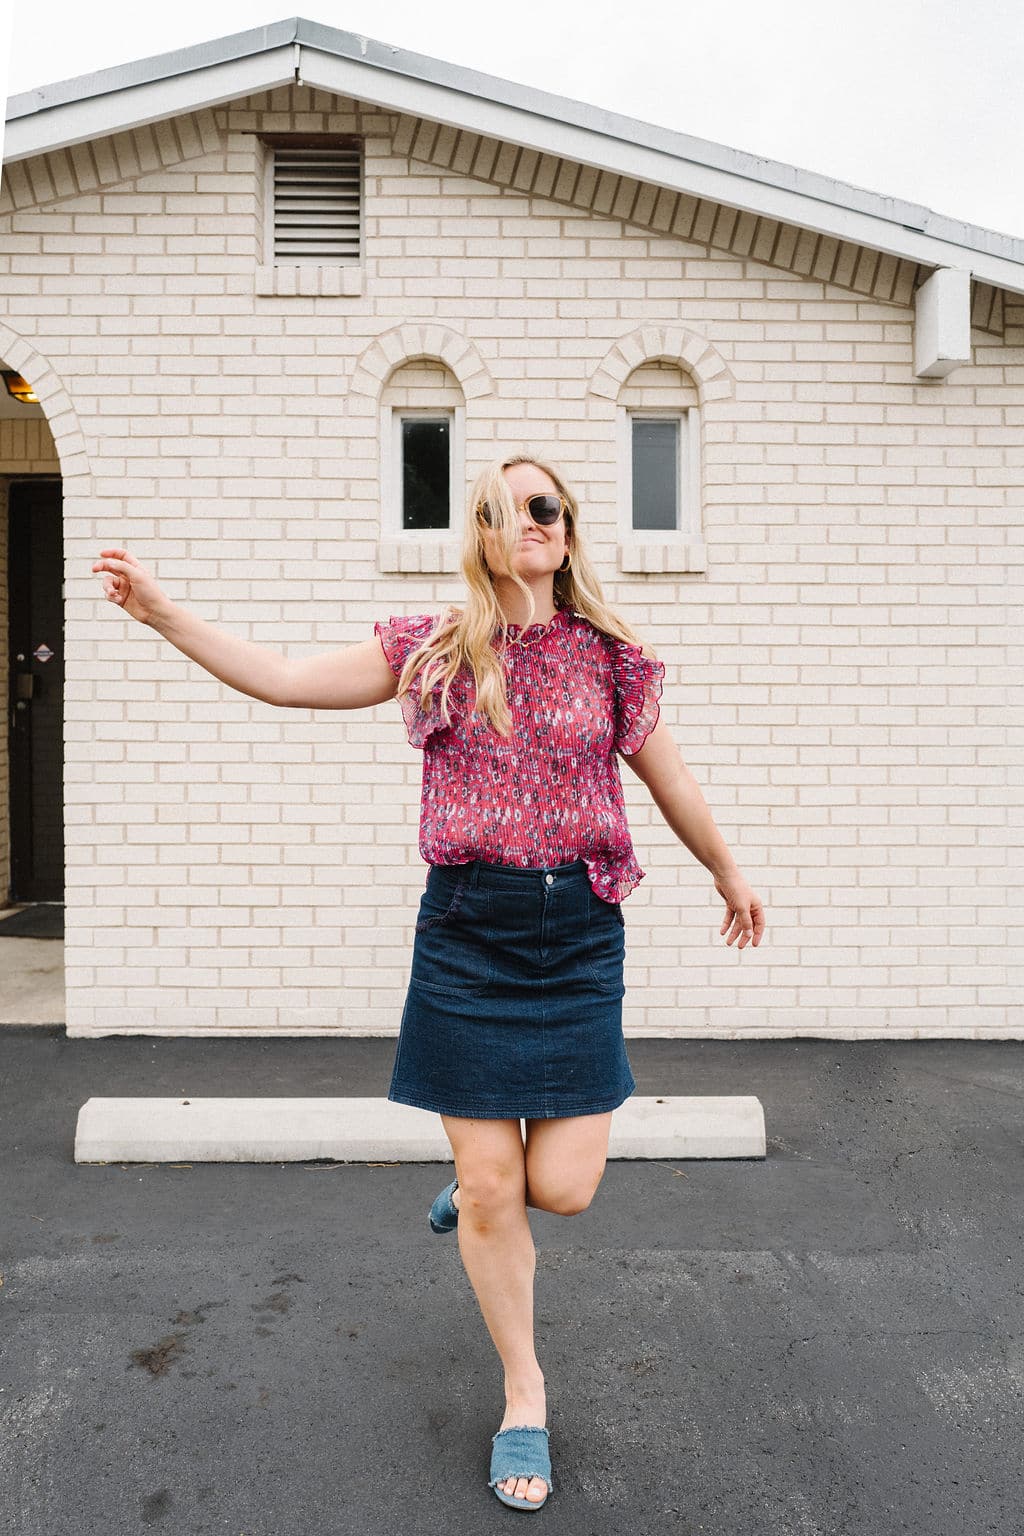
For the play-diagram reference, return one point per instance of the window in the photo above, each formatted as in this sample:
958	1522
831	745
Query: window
656	472
313	197
659	475
422	467
659	480
425	457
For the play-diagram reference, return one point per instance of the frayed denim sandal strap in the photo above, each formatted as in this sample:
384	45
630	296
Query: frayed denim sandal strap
521	1451
444	1214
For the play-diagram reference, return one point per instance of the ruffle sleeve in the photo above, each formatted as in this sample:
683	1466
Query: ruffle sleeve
638	683
399	637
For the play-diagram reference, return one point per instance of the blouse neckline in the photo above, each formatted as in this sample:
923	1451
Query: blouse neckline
558	618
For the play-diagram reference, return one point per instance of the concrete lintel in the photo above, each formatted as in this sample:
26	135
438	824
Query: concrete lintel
156	1130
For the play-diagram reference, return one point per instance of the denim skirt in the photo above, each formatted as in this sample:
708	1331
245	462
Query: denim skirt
514	1005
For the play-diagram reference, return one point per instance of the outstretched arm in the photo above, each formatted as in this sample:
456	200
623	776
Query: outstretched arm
355	677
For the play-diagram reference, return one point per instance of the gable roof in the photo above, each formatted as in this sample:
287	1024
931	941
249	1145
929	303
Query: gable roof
68	112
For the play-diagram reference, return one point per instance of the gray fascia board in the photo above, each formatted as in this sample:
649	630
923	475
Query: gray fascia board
95	117
158	66
558	137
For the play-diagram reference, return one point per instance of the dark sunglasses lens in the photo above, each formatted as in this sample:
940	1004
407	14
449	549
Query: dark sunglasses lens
545	509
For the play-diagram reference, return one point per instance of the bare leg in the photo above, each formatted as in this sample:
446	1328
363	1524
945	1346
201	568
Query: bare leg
500	1259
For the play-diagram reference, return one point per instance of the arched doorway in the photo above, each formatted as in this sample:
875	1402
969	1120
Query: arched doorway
32	625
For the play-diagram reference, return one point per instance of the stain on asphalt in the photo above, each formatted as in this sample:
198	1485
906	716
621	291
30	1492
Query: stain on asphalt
160	1357
156	1506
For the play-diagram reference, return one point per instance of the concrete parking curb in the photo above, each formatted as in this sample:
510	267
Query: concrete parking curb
220	1130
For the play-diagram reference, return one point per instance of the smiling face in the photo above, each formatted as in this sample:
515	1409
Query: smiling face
541	550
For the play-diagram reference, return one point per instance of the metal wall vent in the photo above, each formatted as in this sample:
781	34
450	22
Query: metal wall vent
317	200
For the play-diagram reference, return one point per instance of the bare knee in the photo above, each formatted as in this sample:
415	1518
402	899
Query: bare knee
491	1193
563	1203
574	1206
490	1164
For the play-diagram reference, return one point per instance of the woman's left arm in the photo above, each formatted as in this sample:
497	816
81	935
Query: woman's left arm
678	797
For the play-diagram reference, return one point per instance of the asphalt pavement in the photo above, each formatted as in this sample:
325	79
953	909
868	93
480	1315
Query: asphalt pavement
826	1342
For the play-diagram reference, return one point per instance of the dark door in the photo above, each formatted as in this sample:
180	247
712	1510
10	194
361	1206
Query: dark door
35	578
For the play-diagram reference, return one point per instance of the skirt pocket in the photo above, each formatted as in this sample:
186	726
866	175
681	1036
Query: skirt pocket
452	950
606	944
441	899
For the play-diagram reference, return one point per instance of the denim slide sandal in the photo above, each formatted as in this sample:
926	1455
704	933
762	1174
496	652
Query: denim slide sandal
520	1451
443	1215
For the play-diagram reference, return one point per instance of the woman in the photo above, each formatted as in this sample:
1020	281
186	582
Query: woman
520	702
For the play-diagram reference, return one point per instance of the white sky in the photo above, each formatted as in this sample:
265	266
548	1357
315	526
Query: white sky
910	98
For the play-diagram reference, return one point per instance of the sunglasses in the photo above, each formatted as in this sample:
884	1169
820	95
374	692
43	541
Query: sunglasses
543	509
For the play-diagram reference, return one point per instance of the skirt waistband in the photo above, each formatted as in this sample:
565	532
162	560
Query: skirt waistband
479	872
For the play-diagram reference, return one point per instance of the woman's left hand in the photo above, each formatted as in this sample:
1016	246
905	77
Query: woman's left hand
744	909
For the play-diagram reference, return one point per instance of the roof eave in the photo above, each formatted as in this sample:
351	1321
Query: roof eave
134	106
562	138
211	74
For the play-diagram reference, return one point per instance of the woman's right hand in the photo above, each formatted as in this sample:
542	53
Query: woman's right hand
128	583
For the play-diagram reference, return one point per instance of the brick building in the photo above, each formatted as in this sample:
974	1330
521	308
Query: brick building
277	297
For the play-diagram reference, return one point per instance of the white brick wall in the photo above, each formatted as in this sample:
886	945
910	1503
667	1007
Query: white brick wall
837	678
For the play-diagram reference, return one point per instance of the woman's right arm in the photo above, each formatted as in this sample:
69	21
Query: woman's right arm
355	677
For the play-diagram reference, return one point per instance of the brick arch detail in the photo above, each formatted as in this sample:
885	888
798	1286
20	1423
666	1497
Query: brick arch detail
404	344
673	344
60	414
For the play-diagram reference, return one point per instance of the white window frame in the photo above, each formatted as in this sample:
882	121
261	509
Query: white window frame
391	472
688	532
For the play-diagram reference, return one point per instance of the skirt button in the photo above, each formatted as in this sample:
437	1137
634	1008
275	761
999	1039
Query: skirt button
550	879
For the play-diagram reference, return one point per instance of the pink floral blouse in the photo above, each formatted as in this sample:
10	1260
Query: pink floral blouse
551	792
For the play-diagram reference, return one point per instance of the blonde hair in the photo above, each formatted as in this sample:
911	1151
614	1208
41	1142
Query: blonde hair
463	637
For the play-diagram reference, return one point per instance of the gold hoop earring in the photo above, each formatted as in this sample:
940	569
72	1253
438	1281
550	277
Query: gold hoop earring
565	564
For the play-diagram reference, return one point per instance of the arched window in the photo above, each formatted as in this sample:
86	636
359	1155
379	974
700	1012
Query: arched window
659	469
422	453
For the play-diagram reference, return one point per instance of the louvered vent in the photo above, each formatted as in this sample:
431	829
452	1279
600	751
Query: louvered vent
316	205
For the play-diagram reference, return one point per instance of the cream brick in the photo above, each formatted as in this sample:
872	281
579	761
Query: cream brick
837	675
